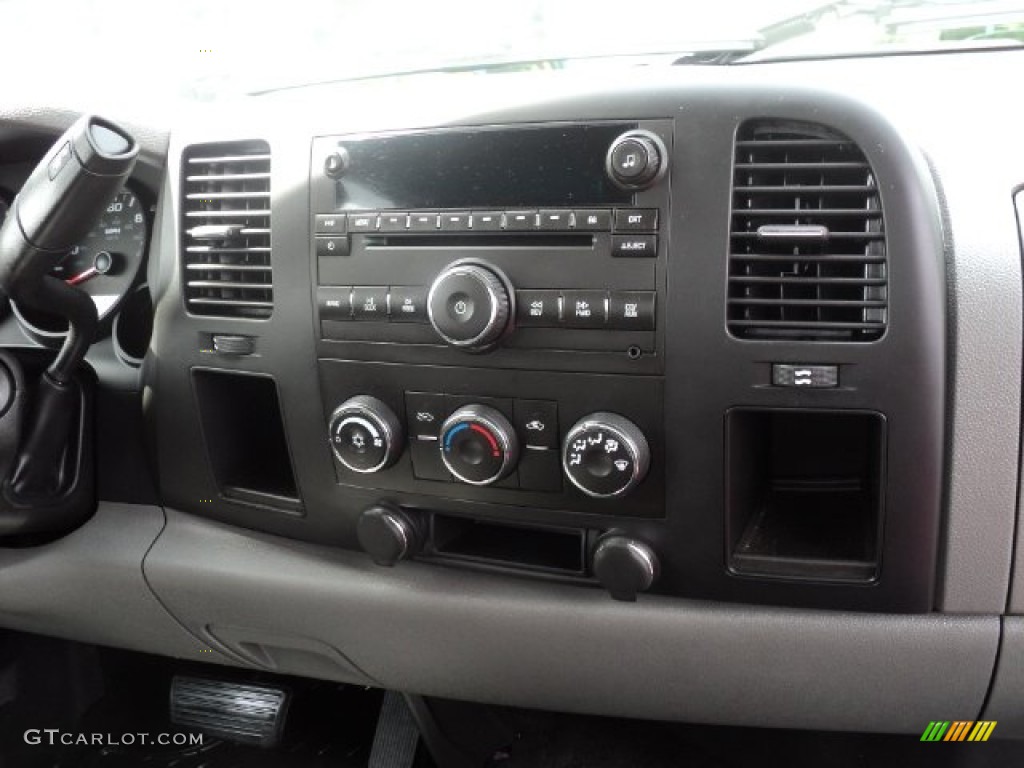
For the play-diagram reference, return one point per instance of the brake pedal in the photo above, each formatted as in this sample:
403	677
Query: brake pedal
239	712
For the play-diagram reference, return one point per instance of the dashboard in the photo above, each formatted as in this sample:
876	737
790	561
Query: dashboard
692	396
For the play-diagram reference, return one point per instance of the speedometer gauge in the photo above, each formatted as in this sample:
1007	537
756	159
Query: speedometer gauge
103	265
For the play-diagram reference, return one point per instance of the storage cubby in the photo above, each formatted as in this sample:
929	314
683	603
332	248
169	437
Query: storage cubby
805	493
245	439
552	550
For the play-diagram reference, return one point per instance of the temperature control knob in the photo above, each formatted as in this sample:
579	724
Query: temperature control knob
469	305
478	445
365	434
605	455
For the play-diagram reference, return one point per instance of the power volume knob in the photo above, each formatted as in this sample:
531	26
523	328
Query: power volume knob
636	160
605	455
365	434
469	305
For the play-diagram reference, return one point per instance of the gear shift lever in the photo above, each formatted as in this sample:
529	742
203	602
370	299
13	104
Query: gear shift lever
57	206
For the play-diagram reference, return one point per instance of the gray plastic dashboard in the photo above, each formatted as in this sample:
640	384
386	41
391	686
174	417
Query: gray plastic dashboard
168	582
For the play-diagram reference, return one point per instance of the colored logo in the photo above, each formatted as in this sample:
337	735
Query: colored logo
958	730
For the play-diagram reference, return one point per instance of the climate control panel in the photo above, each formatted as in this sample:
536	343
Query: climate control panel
604	454
537	440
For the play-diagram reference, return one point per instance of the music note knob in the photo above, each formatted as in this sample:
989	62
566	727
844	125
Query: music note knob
636	159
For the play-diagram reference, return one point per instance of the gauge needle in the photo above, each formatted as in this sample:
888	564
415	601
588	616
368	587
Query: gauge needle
81	277
100	266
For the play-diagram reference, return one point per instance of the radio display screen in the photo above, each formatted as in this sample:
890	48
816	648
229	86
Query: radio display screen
551	165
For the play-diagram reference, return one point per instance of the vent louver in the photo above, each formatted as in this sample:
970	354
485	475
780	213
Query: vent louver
807	254
226	229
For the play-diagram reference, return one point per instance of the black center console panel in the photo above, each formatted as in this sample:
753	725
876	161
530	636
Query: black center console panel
701	355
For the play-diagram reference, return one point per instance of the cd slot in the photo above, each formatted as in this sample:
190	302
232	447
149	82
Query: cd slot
470	240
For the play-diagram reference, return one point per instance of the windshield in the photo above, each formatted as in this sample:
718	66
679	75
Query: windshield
73	51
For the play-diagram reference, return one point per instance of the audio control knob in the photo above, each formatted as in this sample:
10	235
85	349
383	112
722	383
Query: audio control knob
389	534
605	455
478	445
365	434
636	159
625	566
469	305
336	163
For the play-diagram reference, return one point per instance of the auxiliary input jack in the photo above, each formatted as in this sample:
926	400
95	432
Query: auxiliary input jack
634	353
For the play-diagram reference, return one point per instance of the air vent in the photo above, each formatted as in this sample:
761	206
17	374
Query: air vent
807	256
226	230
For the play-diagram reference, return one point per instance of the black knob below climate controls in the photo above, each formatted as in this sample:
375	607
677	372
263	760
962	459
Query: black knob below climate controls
389	534
625	566
365	434
636	159
605	455
478	445
469	305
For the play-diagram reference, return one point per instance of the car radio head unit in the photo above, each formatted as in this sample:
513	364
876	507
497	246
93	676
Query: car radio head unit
494	239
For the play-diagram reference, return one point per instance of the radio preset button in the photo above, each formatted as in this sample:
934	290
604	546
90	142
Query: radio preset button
636	220
537	309
555	221
330	224
631	310
594	220
334	303
584	309
332	246
362	222
394	221
635	246
408	304
421	221
369	303
455	221
520	220
486	221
